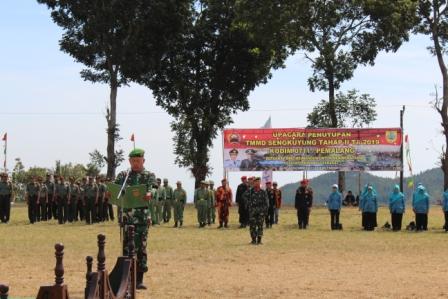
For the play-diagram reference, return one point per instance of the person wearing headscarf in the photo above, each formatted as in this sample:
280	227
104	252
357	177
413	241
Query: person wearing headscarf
445	208
369	207
420	205
334	203
396	207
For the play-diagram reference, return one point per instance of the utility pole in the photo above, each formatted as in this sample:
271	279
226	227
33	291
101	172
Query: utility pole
402	148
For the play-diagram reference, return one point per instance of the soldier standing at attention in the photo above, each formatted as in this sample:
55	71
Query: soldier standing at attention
303	204
223	202
90	200
180	199
201	198
160	203
62	194
168	204
271	207
43	200
81	207
51	205
257	203
32	198
211	213
75	194
5	197
242	188
278	202
139	217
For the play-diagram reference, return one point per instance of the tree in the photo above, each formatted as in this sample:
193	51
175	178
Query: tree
433	16
207	76
106	36
352	110
337	36
78	171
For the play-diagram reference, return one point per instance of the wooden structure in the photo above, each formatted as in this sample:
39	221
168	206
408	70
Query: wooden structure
59	290
4	289
120	283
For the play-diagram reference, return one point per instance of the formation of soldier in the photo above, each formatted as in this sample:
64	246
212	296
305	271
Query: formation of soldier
55	198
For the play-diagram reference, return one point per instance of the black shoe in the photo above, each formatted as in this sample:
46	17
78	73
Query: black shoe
181	223
254	242
140	285
225	225
175	224
259	241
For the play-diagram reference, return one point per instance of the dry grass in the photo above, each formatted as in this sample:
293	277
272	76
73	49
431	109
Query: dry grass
211	263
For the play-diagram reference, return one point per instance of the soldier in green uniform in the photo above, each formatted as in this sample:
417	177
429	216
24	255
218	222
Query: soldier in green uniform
180	199
90	200
139	217
160	202
80	207
102	189
51	205
32	198
201	199
168	204
62	198
43	200
75	195
5	197
211	211
257	203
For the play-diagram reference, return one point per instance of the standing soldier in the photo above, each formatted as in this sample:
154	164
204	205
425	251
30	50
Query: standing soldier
168	204
108	208
271	206
201	196
80	208
102	189
257	203
160	203
43	199
303	204
62	195
32	198
278	202
51	205
223	202
242	210
5	198
90	200
75	195
211	213
139	217
180	199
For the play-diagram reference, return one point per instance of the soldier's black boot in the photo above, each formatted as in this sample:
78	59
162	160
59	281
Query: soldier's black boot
259	241
225	225
220	225
175	224
140	285
181	223
254	241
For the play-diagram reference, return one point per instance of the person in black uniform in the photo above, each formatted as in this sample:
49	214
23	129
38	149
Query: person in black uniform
242	209
271	207
5	197
303	204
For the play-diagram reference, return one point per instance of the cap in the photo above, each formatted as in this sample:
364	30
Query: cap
244	177
211	182
274	183
204	182
137	153
250	151
178	183
257	178
233	151
304	181
165	180
268	183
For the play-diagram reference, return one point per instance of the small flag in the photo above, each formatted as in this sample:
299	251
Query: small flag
5	137
410	183
132	137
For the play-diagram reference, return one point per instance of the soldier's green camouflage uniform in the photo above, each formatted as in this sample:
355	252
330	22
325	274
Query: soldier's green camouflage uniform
90	198
137	217
211	213
257	203
32	190
180	199
62	194
168	203
75	196
43	201
51	205
159	203
201	199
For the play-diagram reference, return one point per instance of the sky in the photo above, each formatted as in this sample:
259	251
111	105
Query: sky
51	114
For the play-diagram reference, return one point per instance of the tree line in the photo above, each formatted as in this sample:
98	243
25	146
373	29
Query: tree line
202	58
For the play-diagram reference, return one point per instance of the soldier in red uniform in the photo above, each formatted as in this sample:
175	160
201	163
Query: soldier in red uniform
223	203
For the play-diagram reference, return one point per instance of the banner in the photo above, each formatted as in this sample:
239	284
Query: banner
313	149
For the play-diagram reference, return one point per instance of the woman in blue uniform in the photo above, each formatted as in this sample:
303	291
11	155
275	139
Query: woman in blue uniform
396	207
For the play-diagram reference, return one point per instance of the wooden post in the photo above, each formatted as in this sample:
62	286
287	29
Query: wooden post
59	290
59	269
101	254
4	289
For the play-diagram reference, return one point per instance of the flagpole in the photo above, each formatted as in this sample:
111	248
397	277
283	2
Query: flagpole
5	138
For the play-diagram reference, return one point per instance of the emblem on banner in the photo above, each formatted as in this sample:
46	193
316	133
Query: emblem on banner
136	193
391	136
234	138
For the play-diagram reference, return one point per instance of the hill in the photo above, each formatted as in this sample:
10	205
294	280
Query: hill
432	179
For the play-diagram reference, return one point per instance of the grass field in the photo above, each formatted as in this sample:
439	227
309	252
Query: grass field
212	263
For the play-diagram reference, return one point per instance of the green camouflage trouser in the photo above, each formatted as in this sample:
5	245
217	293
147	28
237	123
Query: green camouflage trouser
141	237
158	204
151	210
167	209
178	211
211	213
256	225
201	206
